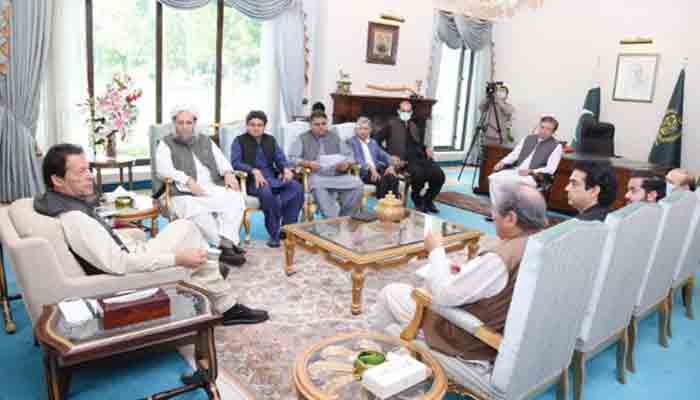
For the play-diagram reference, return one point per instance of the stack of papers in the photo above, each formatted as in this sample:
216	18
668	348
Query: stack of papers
75	311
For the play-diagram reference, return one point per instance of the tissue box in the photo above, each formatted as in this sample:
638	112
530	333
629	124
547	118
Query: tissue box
397	374
120	314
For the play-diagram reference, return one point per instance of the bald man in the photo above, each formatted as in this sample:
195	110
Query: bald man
679	179
206	190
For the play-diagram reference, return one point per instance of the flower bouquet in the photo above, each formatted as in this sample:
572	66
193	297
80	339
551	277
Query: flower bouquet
114	111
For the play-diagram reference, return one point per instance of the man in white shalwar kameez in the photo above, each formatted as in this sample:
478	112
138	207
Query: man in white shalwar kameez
205	188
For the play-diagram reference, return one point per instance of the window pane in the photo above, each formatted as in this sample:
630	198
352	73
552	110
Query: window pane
444	111
462	134
124	41
242	86
189	58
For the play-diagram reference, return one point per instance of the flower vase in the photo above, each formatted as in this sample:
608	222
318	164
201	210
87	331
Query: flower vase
111	146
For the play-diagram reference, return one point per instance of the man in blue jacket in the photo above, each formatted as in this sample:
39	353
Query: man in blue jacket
270	175
376	164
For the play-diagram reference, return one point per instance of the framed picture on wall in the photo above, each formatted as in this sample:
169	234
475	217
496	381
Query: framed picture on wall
382	43
635	77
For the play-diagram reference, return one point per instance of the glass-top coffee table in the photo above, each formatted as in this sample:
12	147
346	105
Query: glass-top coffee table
356	246
325	370
192	319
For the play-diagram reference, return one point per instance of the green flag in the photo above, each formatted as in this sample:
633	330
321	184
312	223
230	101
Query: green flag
667	147
591	109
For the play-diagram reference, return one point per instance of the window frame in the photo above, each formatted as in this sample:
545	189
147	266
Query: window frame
90	54
458	103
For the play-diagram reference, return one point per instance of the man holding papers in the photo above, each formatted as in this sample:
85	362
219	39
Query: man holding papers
483	286
329	160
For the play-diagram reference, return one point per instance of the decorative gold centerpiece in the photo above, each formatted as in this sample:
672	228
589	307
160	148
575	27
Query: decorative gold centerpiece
390	209
123	202
343	83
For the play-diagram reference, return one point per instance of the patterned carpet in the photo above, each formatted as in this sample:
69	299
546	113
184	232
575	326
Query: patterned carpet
310	305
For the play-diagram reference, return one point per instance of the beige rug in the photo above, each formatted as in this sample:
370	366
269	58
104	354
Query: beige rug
310	305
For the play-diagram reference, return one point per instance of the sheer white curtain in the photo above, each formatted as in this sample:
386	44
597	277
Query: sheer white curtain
66	83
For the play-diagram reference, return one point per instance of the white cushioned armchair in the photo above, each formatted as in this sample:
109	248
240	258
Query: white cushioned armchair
553	287
45	269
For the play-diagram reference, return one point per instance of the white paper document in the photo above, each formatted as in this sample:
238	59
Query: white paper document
330	160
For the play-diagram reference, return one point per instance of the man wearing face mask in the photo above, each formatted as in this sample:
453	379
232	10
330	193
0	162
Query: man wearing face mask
504	113
404	139
536	153
205	189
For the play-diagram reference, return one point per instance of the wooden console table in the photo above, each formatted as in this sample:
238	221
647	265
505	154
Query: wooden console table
349	107
624	168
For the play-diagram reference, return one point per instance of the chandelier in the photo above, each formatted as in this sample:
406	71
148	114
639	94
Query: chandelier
486	9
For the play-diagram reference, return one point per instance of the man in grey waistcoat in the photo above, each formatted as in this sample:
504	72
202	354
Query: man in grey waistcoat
537	153
205	189
329	159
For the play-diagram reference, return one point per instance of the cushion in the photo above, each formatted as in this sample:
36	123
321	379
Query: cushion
29	223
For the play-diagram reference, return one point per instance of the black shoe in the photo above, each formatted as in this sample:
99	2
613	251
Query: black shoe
273	243
238	250
283	235
430	206
240	314
229	257
224	269
488	219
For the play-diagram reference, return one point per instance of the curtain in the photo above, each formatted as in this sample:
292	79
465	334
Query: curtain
258	9
433	71
66	83
290	60
20	95
459	30
482	74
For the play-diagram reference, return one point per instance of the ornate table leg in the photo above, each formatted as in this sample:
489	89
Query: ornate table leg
358	283
53	378
10	326
209	352
473	247
289	244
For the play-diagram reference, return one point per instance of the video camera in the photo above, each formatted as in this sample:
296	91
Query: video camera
491	87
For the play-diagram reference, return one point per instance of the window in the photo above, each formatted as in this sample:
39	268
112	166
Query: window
124	41
450	114
173	55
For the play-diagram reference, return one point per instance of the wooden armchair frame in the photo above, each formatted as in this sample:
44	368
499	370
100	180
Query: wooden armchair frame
493	339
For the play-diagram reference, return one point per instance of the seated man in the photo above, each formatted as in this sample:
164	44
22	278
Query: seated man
405	140
100	249
592	189
644	186
534	154
483	286
679	179
270	176
206	190
329	160
376	164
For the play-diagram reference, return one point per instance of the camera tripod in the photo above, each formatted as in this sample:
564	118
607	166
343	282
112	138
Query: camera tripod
478	136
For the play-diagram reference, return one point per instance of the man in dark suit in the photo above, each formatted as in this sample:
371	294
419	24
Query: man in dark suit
375	164
592	189
405	139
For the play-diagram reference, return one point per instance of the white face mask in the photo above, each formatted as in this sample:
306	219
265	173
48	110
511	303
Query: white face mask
669	188
404	115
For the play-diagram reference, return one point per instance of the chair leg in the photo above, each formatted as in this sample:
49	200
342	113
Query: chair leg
663	323
669	301
688	297
631	345
621	356
246	224
579	364
10	326
563	390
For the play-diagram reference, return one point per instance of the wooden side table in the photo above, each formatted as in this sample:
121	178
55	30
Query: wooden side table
137	215
315	379
120	163
192	319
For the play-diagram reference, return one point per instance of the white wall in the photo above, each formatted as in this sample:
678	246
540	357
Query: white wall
547	57
342	43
